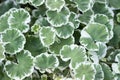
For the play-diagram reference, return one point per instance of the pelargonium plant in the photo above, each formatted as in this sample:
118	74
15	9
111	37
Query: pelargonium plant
59	39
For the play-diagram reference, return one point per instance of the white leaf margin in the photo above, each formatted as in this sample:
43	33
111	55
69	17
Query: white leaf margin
47	55
26	20
55	8
52	22
26	75
20	34
42	37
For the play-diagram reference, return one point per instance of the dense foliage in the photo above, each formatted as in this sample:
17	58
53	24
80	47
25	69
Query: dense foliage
59	39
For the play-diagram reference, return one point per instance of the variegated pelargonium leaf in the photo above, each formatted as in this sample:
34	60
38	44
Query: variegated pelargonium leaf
99	72
103	19
14	41
19	19
2	51
58	19
86	17
102	8
65	31
101	1
83	5
60	43
76	54
37	2
85	71
114	4
89	35
116	66
46	62
55	4
23	68
108	75
47	36
118	17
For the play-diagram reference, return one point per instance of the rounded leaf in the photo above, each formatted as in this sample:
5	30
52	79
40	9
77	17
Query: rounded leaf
118	17
19	19
65	31
46	62
47	36
23	68
76	54
114	4
58	19
14	41
55	4
85	71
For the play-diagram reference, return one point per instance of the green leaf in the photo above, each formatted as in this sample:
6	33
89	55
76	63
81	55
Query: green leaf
118	17
34	45
2	51
85	71
114	4
14	41
83	5
95	29
47	36
21	69
76	54
99	72
87	41
55	4
19	19
58	19
108	75
46	62
37	2
65	31
60	43
102	8
101	1
86	17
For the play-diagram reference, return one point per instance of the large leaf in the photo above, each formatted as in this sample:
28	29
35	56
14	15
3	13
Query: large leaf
85	71
76	54
47	36
83	5
21	68
14	41
55	4
65	31
46	62
58	19
60	43
19	19
37	2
